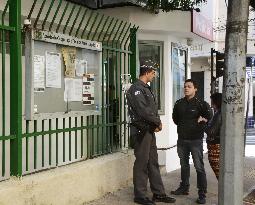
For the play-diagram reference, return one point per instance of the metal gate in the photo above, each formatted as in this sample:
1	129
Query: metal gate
29	146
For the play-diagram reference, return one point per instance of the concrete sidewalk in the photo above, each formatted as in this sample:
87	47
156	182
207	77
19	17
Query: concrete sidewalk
171	182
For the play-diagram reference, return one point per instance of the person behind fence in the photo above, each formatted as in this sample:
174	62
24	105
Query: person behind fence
213	134
145	121
187	115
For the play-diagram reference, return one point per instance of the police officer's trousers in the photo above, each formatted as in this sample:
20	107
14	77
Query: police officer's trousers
146	166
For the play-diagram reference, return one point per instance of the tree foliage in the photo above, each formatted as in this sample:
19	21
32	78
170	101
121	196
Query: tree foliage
170	5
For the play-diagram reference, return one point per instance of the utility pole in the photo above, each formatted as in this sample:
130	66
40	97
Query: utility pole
232	132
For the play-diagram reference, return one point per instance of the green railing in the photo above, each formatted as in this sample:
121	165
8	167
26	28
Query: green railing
11	79
42	144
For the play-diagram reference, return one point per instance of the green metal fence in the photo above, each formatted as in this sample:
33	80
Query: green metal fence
4	29
11	111
41	144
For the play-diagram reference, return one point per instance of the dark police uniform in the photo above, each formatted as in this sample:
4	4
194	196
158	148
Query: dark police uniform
143	112
190	138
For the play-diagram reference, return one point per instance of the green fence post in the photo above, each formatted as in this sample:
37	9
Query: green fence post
15	88
133	55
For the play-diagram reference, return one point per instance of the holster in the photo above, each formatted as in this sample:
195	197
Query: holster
144	127
138	131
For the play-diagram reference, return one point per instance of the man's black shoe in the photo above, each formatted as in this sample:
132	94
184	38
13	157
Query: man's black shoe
181	191
163	198
201	199
144	201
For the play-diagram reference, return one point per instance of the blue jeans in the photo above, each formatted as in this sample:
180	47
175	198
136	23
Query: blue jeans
195	147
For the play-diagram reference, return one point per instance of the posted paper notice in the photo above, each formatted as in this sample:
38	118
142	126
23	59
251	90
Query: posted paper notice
73	90
69	55
81	67
88	93
53	70
39	73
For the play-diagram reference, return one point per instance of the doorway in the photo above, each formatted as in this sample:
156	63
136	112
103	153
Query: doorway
199	78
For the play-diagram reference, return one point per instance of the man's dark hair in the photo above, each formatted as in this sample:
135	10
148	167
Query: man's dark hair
146	66
193	82
217	99
144	70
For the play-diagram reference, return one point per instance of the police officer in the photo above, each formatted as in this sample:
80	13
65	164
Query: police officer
145	121
190	115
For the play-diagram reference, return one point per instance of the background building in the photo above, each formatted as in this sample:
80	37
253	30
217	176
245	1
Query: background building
201	52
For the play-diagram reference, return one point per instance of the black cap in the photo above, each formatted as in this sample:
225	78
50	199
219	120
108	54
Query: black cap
148	64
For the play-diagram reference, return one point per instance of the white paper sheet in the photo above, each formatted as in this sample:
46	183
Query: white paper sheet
39	73
80	67
53	70
73	90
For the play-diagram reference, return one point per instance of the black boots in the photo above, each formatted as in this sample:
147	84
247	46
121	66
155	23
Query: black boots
144	201
182	190
163	198
201	198
156	198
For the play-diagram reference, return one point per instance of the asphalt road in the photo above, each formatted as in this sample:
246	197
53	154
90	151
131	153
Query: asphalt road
250	136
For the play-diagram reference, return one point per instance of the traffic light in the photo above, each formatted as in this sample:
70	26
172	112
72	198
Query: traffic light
218	58
220	64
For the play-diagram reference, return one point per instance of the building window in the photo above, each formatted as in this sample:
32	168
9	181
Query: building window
179	68
153	50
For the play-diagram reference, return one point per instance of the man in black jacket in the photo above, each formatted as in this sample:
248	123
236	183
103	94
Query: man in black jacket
145	120
190	114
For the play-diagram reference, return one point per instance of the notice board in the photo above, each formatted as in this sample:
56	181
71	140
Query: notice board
62	75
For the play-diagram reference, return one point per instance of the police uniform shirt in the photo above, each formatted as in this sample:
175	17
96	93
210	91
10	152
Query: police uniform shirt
142	104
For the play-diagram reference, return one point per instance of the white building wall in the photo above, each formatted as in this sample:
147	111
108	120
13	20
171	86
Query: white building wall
207	86
206	9
176	21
